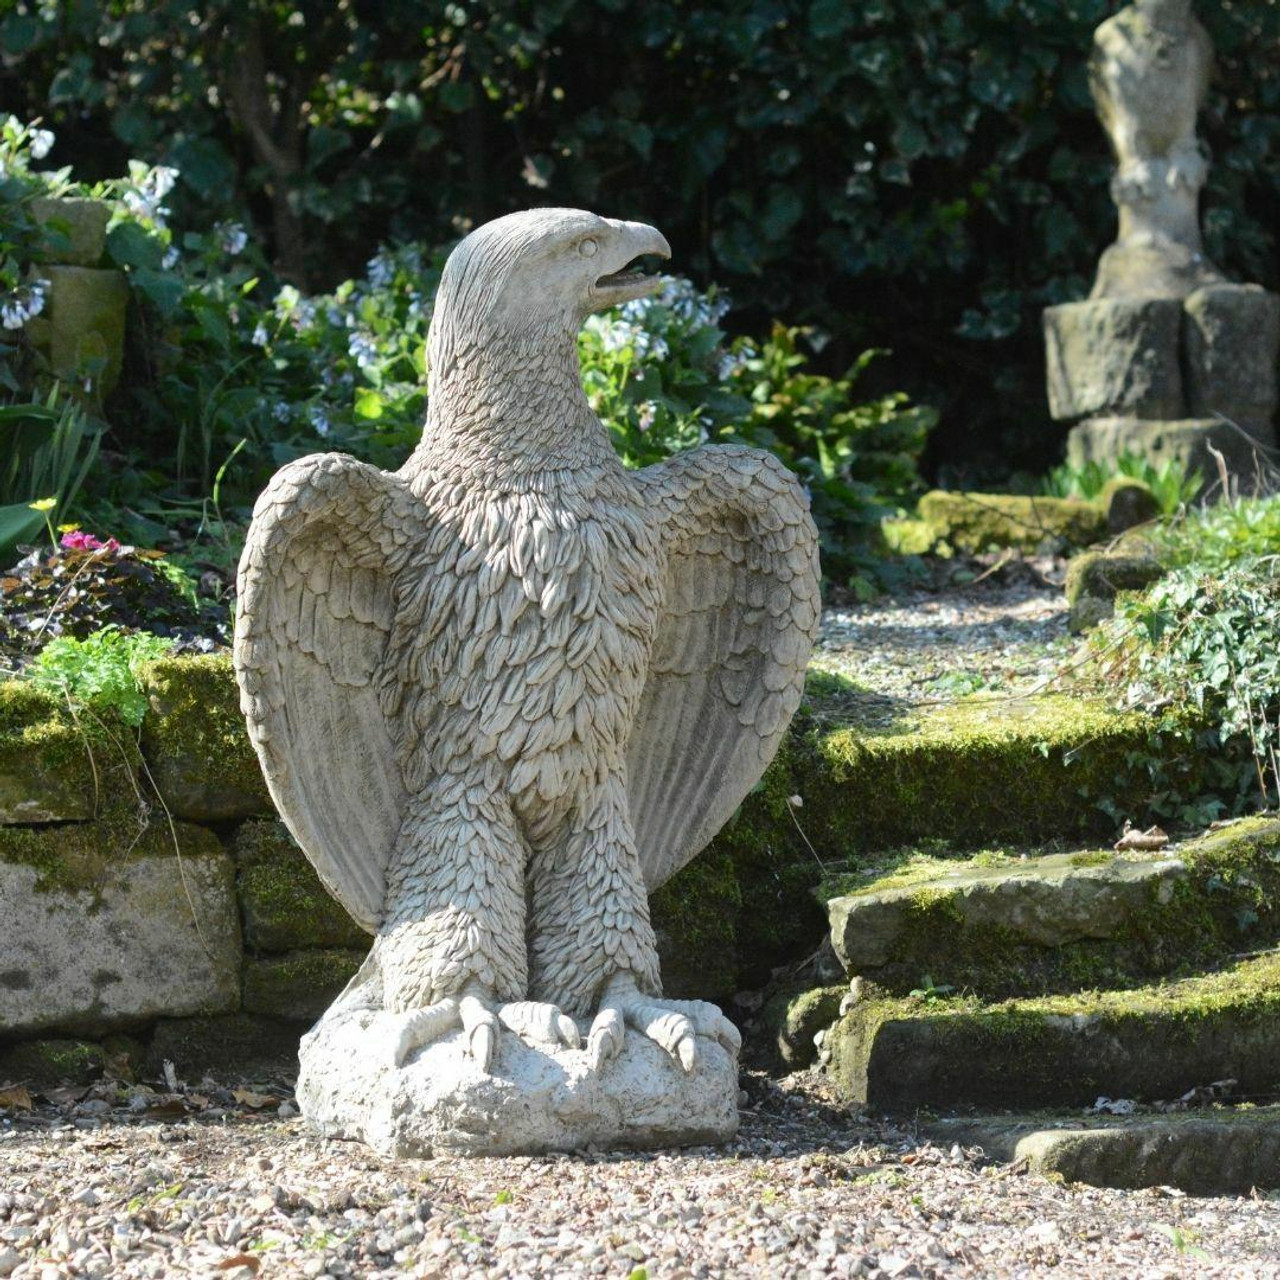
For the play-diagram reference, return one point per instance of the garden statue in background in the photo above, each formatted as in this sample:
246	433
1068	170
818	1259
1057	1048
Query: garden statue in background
1166	359
1150	74
503	694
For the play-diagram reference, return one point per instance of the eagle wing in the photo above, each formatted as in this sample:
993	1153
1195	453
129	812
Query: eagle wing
315	608
739	618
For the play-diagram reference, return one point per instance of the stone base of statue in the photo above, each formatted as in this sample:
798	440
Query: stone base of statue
534	1098
1165	377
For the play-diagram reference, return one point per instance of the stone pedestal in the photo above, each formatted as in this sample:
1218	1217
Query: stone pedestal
1166	378
534	1099
82	328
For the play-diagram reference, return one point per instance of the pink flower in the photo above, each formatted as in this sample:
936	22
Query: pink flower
77	541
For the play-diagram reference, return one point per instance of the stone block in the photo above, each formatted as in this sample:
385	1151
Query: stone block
791	1020
983	521
1112	357
284	906
82	222
108	927
82	325
300	986
1094	579
196	743
1105	440
1147	1044
1232	340
1222	1152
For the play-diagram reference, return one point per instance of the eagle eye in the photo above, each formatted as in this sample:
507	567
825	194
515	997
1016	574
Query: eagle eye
588	247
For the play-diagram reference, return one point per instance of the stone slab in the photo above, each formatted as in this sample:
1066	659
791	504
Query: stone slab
1231	335
1146	1044
1215	1153
534	1100
299	986
1045	901
131	940
84	222
83	324
1112	357
1106	439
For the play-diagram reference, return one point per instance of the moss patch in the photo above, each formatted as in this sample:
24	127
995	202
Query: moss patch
299	986
56	767
1147	1044
983	521
195	741
283	905
791	1019
47	1063
1095	578
695	915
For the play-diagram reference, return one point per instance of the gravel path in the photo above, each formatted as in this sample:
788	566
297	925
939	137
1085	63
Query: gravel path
928	647
806	1190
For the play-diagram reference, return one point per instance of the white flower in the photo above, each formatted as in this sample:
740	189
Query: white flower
362	349
12	315
232	237
24	302
170	259
41	143
159	182
260	336
648	411
319	421
732	362
381	271
281	412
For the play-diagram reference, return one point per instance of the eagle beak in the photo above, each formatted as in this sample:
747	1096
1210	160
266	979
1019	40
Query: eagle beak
623	281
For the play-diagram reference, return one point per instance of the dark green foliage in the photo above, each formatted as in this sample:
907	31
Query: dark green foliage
910	172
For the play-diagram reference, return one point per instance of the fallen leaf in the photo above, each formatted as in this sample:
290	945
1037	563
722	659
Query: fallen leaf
241	1260
15	1096
1148	841
247	1098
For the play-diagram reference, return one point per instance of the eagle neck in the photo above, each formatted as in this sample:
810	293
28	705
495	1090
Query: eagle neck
514	402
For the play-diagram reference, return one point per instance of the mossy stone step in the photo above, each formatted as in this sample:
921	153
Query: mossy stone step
1220	1152
1003	925
1151	1043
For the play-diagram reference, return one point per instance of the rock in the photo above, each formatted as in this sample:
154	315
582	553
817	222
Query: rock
1112	358
47	1063
1146	1044
1127	503
82	222
792	1019
300	986
981	521
196	744
283	903
1047	901
535	1100
107	927
81	330
1220	1153
1094	578
1232	339
233	1046
53	769
1106	440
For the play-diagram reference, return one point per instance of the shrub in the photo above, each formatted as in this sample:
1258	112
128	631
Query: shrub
101	671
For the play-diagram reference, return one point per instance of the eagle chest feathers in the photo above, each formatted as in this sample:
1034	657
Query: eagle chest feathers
526	642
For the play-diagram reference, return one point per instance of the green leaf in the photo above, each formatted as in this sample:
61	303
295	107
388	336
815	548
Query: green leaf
132	246
369	403
18	523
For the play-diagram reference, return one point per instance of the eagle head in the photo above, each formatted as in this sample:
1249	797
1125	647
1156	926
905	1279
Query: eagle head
537	270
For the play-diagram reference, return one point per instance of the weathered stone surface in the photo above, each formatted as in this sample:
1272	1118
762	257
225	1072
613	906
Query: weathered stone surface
1232	339
514	644
1113	358
83	222
300	986
1147	1044
1127	503
694	916
81	330
1105	440
109	928
1094	578
284	906
792	1019
531	1099
1046	901
51	768
196	744
1215	1153
982	521
228	1047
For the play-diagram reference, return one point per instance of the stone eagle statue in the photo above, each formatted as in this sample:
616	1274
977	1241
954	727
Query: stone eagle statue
502	694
